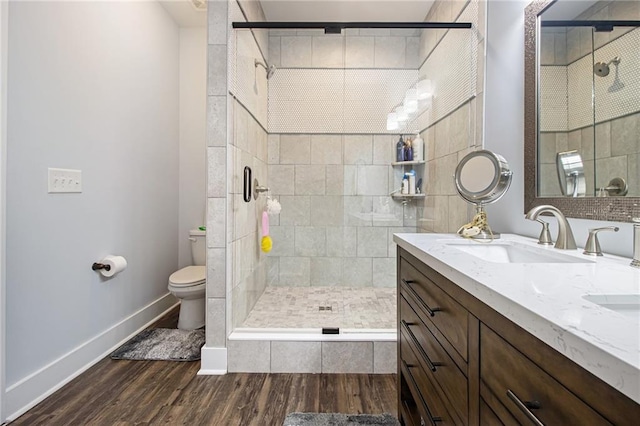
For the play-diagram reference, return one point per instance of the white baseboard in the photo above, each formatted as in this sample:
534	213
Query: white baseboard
34	388
213	361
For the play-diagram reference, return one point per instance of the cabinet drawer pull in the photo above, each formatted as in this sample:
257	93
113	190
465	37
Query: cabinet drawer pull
432	419
526	407
431	311
432	365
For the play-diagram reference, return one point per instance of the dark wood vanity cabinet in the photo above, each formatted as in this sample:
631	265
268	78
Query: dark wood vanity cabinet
462	363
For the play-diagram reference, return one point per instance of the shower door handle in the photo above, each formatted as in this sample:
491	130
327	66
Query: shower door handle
246	190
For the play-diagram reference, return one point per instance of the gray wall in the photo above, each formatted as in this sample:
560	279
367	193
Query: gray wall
92	86
504	127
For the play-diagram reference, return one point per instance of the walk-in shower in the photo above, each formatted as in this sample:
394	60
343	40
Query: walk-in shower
315	133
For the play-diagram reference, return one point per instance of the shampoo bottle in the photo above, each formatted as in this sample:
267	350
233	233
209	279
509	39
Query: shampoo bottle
408	151
405	185
400	149
412	182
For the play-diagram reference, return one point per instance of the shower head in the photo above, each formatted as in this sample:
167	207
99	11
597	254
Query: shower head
271	69
602	69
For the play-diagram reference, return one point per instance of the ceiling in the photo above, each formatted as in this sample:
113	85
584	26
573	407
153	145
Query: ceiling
346	10
565	10
186	15
183	12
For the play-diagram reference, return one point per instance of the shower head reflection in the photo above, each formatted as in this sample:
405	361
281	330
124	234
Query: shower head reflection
270	69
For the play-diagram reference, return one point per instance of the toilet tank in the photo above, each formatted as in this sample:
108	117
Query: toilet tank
198	240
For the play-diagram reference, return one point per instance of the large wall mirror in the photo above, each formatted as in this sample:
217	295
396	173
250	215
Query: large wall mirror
582	107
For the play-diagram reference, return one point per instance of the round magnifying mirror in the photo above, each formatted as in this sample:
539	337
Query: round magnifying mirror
482	177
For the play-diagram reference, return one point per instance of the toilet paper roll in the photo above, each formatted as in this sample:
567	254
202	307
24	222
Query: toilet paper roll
116	264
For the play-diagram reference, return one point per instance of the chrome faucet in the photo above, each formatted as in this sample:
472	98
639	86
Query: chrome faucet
565	240
636	242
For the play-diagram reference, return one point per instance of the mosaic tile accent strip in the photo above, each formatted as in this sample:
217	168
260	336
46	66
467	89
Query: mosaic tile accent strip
307	100
553	99
299	307
566	91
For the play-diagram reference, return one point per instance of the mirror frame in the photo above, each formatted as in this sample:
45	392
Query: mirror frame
619	209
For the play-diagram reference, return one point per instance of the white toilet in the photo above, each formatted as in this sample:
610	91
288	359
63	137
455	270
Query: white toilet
189	283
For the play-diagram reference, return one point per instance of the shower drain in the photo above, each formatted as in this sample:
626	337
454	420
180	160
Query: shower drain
325	308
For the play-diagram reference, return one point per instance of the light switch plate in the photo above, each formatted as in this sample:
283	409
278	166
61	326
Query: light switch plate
64	180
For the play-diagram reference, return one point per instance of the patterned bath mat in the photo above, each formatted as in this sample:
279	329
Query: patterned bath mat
333	419
162	344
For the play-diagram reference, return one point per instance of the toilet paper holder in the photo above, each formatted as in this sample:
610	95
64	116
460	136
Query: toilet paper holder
96	266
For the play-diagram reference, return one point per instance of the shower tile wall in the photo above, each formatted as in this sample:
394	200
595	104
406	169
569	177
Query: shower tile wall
312	357
365	48
217	126
337	218
453	129
617	132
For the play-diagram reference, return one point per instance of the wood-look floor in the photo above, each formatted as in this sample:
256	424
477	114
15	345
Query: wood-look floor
159	392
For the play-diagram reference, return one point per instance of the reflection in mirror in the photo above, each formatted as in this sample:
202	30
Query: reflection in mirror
571	174
477	174
482	177
589	97
582	95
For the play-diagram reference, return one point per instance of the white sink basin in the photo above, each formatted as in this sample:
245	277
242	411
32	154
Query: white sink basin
625	304
512	252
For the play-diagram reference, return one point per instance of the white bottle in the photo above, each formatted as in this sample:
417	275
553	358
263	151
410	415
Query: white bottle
405	185
418	148
412	183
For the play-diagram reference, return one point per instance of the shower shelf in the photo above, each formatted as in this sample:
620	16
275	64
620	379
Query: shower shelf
407	163
399	196
407	197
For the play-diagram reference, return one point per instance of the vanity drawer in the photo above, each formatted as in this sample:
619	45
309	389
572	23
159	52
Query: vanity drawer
424	392
526	390
441	309
487	416
434	359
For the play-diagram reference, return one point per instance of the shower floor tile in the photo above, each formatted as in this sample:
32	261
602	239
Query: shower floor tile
312	307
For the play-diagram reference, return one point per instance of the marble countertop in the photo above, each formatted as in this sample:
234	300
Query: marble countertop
546	299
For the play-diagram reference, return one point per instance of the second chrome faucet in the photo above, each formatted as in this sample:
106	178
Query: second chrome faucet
565	240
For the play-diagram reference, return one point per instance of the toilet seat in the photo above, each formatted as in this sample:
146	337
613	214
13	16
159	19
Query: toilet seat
189	276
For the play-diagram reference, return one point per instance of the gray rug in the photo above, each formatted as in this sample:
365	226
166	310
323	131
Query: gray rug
332	419
163	344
